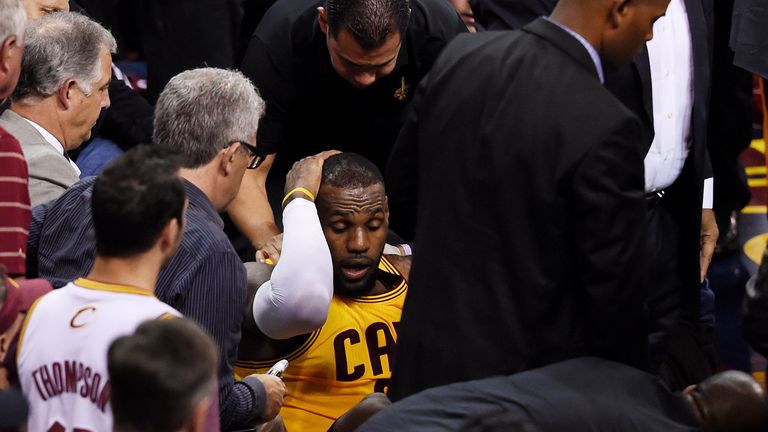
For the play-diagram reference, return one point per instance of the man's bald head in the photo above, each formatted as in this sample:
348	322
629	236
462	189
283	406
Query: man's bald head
729	401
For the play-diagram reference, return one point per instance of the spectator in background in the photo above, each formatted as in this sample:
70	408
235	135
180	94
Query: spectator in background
138	216
62	90
208	118
155	386
128	120
14	192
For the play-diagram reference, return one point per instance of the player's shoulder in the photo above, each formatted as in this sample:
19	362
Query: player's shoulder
401	263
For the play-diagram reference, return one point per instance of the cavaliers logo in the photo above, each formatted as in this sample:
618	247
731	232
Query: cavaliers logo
402	92
81	317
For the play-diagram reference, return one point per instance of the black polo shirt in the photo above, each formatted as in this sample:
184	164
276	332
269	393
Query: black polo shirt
310	108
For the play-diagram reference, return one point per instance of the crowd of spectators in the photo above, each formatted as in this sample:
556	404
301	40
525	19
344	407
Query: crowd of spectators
231	247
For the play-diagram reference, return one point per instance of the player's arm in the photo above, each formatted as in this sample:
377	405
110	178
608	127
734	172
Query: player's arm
295	300
401	263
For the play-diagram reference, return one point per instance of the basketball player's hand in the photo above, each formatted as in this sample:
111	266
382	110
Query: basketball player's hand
270	250
275	389
307	172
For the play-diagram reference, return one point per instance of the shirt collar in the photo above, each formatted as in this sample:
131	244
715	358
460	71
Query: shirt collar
590	49
200	200
53	141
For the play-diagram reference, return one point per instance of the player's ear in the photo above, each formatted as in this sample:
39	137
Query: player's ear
386	209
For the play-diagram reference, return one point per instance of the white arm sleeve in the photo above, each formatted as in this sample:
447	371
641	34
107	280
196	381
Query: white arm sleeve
295	300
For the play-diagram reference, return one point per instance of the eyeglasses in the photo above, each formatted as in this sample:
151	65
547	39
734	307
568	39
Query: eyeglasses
256	157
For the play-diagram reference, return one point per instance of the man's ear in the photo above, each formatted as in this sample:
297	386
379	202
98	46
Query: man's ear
228	156
322	19
64	93
170	233
386	209
196	422
6	52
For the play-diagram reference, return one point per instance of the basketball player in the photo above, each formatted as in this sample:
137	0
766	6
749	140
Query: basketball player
138	205
338	361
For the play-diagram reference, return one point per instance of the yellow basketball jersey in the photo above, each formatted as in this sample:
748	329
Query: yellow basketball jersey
346	359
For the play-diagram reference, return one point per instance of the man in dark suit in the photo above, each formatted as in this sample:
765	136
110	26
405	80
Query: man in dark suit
668	87
531	211
582	395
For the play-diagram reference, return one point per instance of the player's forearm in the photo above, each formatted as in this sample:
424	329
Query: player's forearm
296	299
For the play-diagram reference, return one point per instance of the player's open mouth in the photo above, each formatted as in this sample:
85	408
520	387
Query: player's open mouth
353	272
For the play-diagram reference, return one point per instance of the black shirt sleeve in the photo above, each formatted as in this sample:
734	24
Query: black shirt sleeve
271	72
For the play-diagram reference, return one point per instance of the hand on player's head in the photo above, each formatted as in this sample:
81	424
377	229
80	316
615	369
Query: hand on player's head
307	172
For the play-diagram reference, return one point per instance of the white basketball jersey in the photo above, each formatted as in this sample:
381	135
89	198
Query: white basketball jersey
62	352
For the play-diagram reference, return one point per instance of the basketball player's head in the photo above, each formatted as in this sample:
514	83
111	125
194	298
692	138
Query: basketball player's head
352	205
155	386
138	204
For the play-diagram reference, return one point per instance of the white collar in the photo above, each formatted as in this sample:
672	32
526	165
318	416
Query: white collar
53	141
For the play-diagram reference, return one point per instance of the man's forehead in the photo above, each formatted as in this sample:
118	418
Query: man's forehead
347	198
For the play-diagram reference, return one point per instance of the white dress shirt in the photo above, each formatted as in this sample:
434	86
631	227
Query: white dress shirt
671	59
55	143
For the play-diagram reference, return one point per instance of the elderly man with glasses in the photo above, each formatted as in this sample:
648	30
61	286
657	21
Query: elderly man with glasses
205	280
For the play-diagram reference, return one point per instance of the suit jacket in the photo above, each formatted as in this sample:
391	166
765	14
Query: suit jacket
632	85
50	173
749	36
531	213
580	395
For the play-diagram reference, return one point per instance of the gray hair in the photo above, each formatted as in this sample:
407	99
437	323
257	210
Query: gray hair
201	110
12	19
62	46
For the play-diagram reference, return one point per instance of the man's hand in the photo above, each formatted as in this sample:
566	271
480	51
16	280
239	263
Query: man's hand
709	234
308	172
270	250
275	393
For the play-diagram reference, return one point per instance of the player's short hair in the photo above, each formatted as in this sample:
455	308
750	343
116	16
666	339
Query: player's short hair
349	171
133	199
200	111
159	374
369	21
58	47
